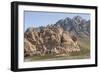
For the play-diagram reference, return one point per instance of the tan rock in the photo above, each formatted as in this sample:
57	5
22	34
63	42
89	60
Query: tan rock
52	40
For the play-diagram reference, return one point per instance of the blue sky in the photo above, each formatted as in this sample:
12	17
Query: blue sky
36	19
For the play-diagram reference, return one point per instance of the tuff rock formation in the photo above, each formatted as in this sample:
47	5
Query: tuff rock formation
50	40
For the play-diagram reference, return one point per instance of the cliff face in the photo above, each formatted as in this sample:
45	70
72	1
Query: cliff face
49	40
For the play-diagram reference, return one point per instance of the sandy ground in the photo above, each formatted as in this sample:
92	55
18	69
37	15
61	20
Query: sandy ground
28	59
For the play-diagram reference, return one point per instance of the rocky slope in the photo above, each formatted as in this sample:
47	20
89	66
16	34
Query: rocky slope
54	41
77	26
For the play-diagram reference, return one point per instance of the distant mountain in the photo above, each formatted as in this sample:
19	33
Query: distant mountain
77	26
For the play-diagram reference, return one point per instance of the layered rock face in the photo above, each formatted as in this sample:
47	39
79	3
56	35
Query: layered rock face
49	40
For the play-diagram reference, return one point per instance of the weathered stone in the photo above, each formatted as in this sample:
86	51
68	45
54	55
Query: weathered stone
49	40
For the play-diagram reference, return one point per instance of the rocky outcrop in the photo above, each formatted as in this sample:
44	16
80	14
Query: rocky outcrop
49	40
